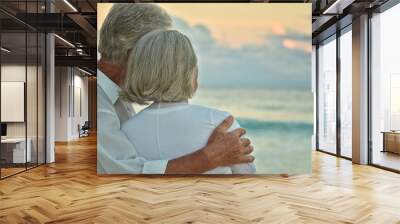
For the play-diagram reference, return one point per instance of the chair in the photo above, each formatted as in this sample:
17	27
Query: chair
84	130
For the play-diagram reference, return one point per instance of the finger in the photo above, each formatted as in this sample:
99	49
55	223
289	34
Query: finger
249	149
247	159
239	132
245	142
225	124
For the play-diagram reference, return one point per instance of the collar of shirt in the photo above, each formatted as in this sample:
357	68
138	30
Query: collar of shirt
110	88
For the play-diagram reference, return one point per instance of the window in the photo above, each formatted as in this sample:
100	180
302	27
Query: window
346	93
385	89
327	96
22	87
395	102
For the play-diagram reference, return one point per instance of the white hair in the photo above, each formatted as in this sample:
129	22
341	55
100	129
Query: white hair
162	68
125	24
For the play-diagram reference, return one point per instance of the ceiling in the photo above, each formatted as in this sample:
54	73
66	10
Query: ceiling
74	21
331	15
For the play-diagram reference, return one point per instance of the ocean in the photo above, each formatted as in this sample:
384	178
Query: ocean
279	123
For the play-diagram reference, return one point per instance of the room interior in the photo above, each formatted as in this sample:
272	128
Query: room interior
385	117
22	102
336	84
25	68
48	92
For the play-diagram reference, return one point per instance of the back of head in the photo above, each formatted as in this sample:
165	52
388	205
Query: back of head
125	24
162	67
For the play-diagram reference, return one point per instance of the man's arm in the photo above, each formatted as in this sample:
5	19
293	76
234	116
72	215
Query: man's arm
223	149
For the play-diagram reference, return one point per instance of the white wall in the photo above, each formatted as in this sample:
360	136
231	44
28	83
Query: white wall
14	73
62	81
70	83
80	84
12	100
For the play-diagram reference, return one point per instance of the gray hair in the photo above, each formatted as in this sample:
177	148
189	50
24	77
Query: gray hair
125	24
162	68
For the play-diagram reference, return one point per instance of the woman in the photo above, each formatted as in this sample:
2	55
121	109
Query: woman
162	68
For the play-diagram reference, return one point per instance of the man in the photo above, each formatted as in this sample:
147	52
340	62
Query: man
123	26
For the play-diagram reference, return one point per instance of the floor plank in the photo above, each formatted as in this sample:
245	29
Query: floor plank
69	191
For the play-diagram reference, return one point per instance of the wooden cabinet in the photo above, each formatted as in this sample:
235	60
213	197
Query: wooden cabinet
391	142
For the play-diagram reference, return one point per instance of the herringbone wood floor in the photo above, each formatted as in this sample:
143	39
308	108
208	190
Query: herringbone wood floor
69	191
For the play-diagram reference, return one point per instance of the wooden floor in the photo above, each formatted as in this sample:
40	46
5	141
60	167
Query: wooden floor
69	191
387	159
5	172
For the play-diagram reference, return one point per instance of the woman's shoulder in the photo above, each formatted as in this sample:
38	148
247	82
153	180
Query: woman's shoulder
213	111
133	120
215	115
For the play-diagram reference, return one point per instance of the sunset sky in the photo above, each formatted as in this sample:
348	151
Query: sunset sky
270	42
240	23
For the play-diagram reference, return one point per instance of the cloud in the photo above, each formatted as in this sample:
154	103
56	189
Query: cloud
278	29
283	60
295	44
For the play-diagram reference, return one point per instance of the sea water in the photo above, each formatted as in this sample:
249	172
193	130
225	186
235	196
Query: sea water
279	123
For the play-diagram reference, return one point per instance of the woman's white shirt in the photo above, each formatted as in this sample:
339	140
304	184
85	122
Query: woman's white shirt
171	130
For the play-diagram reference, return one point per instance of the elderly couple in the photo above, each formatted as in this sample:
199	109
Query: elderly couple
143	61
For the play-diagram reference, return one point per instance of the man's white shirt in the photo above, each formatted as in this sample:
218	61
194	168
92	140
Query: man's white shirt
115	153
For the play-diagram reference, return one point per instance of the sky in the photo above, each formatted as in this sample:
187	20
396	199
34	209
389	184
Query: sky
240	23
247	45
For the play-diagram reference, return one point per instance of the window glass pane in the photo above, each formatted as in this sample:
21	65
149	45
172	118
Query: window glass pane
41	98
14	153
32	85
327	97
346	94
31	96
23	89
386	89
394	102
